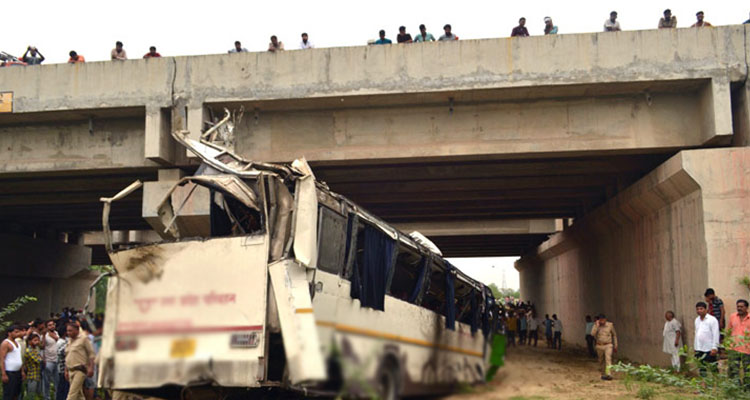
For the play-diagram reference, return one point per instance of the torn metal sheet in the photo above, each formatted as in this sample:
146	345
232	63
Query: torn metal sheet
306	223
291	290
227	184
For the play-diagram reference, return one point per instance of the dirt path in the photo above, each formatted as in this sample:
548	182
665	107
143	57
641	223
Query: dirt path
542	373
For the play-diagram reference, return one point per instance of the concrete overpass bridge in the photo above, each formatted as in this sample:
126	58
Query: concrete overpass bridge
637	140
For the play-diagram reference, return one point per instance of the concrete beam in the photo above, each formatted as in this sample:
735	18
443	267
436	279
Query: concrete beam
597	92
121	237
374	70
159	145
480	227
22	256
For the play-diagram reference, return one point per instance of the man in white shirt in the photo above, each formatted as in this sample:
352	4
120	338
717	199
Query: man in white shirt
672	333
557	327
49	373
706	344
533	328
612	24
305	43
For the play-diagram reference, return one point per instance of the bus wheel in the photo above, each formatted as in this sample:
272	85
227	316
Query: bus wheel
388	381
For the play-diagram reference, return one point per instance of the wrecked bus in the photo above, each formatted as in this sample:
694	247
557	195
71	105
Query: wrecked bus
287	285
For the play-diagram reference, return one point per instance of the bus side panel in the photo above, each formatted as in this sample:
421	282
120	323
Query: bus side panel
431	357
107	349
190	312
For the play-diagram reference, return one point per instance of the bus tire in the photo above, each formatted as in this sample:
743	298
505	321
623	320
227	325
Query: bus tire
388	380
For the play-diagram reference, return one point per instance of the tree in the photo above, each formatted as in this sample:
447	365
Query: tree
12	307
505	292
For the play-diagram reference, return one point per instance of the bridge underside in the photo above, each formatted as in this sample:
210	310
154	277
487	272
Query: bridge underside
415	195
616	164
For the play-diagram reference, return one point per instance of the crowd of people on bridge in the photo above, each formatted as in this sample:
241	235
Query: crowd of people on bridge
52	359
32	55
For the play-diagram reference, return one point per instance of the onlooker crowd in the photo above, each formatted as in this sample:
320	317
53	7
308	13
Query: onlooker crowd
54	356
32	56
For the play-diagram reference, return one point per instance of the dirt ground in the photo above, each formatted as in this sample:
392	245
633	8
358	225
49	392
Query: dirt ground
542	373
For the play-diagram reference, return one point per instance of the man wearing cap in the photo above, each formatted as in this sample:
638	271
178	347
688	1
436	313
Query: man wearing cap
118	53
606	343
668	21
700	23
612	24
549	27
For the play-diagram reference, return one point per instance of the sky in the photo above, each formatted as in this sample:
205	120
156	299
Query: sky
188	28
490	270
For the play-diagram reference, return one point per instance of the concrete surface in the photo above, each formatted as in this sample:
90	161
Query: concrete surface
453	137
654	247
591	92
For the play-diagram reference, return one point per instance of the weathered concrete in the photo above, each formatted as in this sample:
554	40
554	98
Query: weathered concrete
626	91
52	294
481	227
656	246
55	273
26	257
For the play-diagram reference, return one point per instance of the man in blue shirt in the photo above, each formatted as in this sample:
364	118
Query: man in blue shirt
382	39
423	35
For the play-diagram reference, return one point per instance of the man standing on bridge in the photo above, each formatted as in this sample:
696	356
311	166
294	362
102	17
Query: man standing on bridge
612	24
700	23
606	343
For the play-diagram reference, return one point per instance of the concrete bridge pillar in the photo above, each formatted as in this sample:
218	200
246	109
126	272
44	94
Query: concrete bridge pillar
55	273
654	247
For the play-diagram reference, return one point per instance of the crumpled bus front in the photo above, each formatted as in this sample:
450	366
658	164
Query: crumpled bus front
187	313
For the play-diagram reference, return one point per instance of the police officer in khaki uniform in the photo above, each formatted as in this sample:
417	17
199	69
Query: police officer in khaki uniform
606	343
79	361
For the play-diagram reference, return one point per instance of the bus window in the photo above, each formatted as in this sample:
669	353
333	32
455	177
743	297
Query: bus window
372	267
406	274
229	217
434	298
331	241
464	294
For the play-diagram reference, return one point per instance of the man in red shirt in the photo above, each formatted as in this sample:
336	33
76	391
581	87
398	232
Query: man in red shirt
152	53
739	353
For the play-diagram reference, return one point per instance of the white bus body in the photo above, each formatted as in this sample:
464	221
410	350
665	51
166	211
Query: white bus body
266	299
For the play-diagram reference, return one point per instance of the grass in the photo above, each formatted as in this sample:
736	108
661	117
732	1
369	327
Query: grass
646	392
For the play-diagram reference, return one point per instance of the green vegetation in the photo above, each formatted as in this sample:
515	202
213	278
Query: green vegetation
14	306
646	392
101	287
714	385
501	293
745	281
